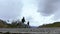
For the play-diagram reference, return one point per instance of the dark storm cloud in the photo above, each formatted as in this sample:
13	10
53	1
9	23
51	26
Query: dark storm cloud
48	7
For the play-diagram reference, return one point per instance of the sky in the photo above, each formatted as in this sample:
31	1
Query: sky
37	12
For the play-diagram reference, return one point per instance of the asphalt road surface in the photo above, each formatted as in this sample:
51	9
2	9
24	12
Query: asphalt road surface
32	30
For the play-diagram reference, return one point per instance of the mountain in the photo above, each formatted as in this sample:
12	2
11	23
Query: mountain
55	24
14	24
3	24
33	26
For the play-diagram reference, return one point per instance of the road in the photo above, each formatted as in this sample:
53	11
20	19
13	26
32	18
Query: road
31	30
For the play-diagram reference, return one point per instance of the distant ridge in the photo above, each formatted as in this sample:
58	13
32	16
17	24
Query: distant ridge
55	24
33	26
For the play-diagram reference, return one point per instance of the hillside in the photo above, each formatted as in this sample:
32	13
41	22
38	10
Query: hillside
55	24
14	24
3	24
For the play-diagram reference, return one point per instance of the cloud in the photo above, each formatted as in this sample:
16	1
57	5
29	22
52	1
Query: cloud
10	9
38	12
48	7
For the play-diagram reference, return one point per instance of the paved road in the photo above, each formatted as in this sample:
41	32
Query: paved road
31	30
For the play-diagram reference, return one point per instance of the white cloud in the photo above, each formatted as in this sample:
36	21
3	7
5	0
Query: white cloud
12	9
30	9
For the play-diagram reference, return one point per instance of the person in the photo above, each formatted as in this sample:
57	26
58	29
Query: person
28	23
23	20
